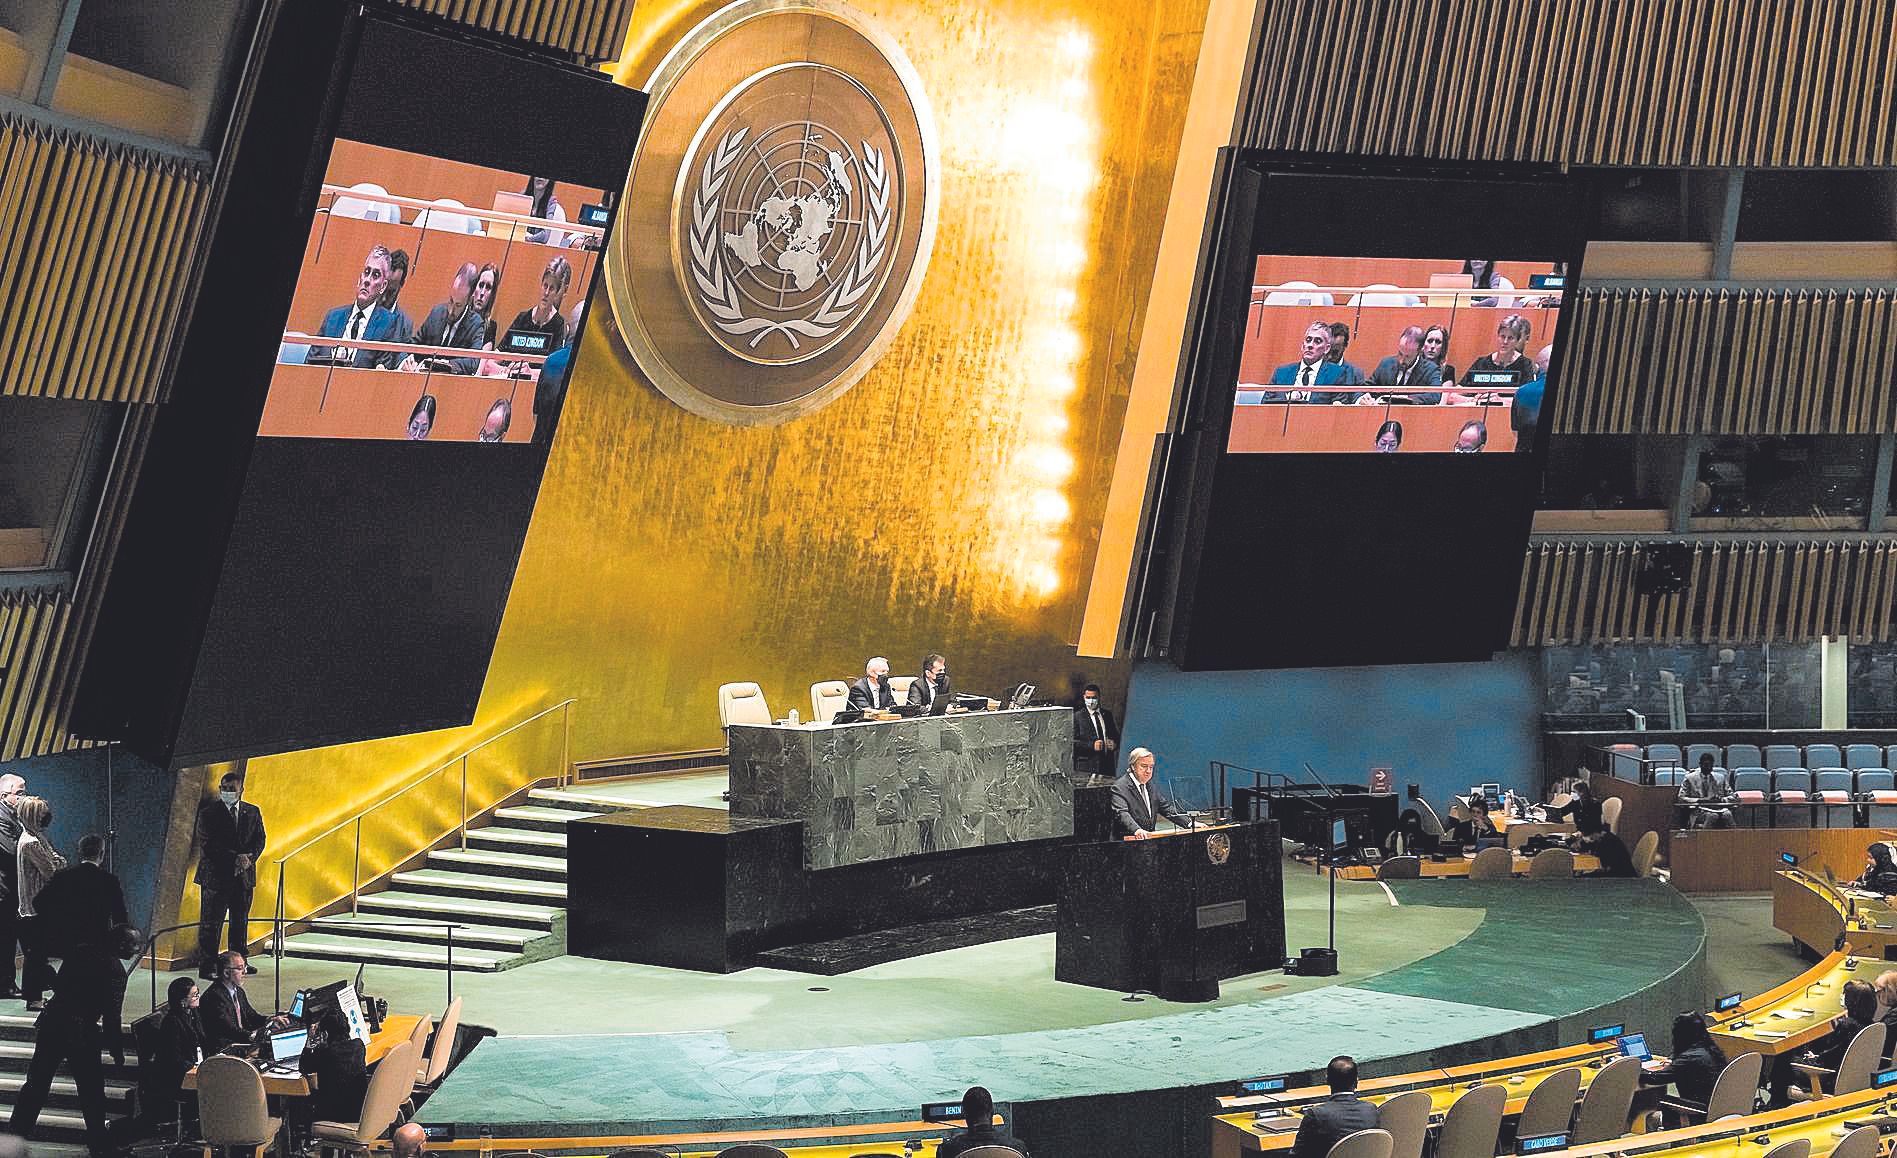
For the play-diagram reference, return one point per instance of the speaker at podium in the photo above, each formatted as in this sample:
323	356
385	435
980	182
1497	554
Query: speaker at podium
1172	915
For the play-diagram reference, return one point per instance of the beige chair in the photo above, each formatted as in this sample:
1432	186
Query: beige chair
435	1066
1796	1148
742	704
899	687
1363	1144
1854	1069
1405	1118
827	698
1551	864
1610	813
1608	1103
1473	1124
231	1106
1859	1143
419	1035
1646	851
1550	1104
389	1086
1401	868
1492	864
1734	1093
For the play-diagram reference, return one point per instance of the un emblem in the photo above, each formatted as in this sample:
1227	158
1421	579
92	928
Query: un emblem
788	158
1218	848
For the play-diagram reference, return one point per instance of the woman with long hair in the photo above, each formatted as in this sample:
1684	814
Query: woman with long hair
38	860
1694	1066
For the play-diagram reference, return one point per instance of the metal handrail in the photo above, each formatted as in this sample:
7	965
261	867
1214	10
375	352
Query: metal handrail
149	954
355	872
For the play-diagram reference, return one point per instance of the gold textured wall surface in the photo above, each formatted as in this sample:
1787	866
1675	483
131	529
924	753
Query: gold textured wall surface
1739	590
944	503
1608	82
1696	360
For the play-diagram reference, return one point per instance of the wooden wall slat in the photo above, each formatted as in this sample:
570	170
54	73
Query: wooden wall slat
592	30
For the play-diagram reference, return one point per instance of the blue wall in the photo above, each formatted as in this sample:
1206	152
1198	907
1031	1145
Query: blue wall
1442	726
75	785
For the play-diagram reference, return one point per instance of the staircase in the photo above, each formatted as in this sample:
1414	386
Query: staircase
507	889
60	1121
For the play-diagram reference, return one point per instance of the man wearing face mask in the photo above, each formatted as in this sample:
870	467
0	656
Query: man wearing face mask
933	683
1096	735
230	837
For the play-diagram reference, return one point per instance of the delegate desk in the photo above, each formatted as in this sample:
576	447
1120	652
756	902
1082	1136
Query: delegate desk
1458	866
1239	1130
1796	1013
1172	915
879	790
395	1030
908	1138
1820	917
1823	1123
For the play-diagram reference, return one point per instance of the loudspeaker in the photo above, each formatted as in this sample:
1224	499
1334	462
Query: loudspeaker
1318	962
1664	568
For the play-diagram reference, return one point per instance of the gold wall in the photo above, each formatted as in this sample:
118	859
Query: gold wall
945	503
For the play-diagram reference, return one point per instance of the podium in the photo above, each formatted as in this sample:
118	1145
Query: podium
1174	914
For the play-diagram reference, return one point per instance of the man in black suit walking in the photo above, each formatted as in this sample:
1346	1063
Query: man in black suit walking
1342	1113
1096	735
873	690
89	993
1137	801
230	837
83	901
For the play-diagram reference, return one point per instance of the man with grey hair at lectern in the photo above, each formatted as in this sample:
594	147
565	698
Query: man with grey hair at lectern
1137	801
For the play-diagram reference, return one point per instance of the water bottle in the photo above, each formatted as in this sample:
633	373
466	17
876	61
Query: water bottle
794	718
487	1141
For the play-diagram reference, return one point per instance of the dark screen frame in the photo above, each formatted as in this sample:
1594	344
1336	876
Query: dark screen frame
275	594
1344	559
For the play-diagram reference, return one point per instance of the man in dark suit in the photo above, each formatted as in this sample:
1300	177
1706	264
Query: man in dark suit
89	993
932	684
1311	369
392	295
1096	735
1137	801
225	1010
364	319
83	900
1342	1113
230	838
873	690
11	786
1407	368
978	1111
454	323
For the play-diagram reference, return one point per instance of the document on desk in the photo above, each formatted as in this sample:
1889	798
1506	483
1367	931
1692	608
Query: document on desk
1770	1034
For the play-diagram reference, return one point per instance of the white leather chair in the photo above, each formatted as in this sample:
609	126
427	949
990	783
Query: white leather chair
1291	294
436	1065
1859	1143
742	704
827	698
1855	1069
1796	1148
1610	814
1363	1144
369	207
390	1084
1406	1118
1473	1124
1646	851
1492	864
1607	1104
1383	294
1550	1104
1551	864
450	217
899	687
1735	1092
231	1106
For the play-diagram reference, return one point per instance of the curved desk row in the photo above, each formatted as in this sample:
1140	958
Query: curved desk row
1458	866
1820	915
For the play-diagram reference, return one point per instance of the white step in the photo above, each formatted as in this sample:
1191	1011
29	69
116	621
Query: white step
115	1091
578	799
471	935
21	1052
434	906
513	865
473	885
328	948
541	816
524	838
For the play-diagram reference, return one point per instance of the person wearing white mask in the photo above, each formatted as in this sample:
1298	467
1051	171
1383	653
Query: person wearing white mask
1096	735
230	838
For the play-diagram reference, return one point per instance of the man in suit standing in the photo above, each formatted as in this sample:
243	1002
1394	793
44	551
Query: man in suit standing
230	837
83	900
1311	369
1342	1113
364	319
225	1010
11	787
873	692
455	323
932	684
88	994
1096	735
1137	801
1406	368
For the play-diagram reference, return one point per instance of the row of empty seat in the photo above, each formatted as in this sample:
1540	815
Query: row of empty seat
744	703
1812	757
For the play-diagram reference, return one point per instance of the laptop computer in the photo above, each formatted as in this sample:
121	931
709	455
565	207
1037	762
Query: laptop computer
1634	1045
287	1046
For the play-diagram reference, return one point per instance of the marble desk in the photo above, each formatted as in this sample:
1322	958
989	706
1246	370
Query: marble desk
876	791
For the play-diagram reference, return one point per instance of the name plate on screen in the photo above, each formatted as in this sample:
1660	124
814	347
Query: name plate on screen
527	342
1491	378
595	215
1223	913
1547	281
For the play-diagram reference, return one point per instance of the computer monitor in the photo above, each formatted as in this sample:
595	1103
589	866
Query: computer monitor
297	1003
1492	791
1340	835
288	1045
1634	1045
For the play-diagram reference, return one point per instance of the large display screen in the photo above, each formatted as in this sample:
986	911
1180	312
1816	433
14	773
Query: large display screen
433	296
1394	355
